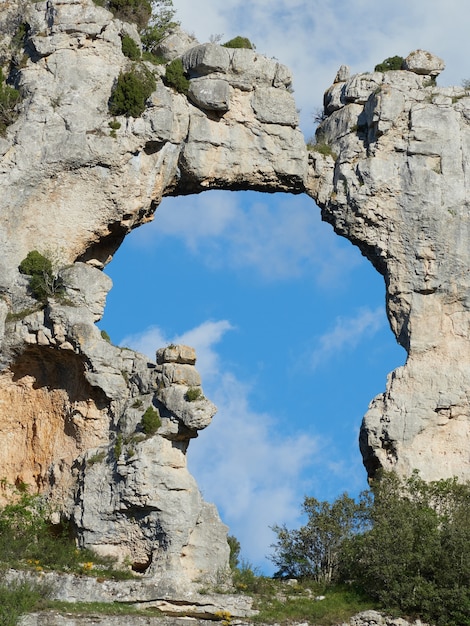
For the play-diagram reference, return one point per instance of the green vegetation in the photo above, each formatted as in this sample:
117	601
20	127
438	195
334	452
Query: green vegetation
130	49
153	18
131	92
314	551
151	421
105	336
175	76
406	543
193	394
9	98
118	446
391	63
235	547
20	36
97	458
29	541
239	42
135	11
162	21
19	598
323	148
44	281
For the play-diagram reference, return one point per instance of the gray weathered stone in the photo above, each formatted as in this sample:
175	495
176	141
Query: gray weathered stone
422	62
212	94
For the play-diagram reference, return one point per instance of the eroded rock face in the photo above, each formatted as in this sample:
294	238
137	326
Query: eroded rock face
399	189
72	405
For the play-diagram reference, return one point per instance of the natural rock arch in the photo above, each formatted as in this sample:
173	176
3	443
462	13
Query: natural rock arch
393	179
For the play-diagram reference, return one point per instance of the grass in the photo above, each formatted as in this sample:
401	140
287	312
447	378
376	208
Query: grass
19	598
298	604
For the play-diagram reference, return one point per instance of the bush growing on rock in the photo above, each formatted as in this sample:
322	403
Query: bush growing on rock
131	92
193	394
239	42
175	76
43	277
391	63
130	49
151	421
9	98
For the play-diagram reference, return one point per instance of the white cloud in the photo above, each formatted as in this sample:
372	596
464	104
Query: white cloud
347	334
315	37
256	476
278	236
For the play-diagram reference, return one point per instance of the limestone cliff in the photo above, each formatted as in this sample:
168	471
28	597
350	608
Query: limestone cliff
399	189
72	405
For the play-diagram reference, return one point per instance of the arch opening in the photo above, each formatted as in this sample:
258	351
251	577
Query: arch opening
289	324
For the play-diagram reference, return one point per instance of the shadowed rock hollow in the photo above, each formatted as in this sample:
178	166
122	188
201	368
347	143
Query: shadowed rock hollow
391	177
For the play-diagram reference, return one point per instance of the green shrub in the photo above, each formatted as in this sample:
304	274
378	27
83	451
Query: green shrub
118	446
131	92
20	36
162	21
193	394
105	336
19	598
43	279
416	556
391	63
323	148
29	541
136	11
9	98
129	48
234	546
175	76
239	42
151	421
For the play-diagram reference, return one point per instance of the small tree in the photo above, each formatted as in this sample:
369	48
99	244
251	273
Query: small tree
44	280
234	546
151	421
162	21
313	551
131	92
416	555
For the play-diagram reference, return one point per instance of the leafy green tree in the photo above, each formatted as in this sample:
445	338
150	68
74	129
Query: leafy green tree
235	547
415	557
163	19
44	280
314	550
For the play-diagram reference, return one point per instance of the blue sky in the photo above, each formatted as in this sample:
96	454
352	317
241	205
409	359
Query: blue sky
288	319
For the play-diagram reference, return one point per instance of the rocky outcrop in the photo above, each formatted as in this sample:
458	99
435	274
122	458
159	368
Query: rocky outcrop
397	186
75	180
389	172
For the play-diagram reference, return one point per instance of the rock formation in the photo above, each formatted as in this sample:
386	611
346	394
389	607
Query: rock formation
72	406
390	173
398	187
